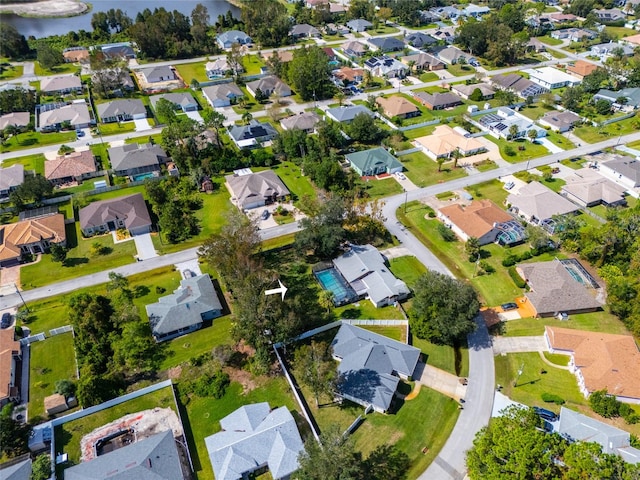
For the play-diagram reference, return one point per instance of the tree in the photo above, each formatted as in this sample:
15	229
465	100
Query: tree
472	247
12	43
537	237
315	368
117	281
513	132
310	74
505	97
443	309
339	96
364	129
440	161
136	350
166	111
32	190
333	458
456	154
66	387
532	134
47	56
234	59
323	233
384	14
58	253
267	22
214	119
41	468
603	107
476	95
571	98
246	118
14	435
386	462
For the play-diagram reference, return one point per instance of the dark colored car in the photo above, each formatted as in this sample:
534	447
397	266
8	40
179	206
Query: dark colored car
545	414
6	320
509	306
265	215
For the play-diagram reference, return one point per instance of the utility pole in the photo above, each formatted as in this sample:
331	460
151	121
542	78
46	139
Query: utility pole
21	298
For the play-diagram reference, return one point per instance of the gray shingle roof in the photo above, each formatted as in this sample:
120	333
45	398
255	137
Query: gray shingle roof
255	130
17	471
359	24
248	188
589	186
627	167
368	361
302	121
185	306
11	176
74	113
19	119
126	106
226	90
154	458
254	436
387	44
181	99
130	207
233	36
56	84
536	200
348	112
135	155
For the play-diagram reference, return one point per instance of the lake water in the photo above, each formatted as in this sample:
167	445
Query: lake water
43	27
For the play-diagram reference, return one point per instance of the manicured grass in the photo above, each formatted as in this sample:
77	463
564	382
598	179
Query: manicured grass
560	140
594	322
492	190
533	383
278	242
531	150
116	128
36	139
460	70
423	171
535	111
556	54
33	162
384	187
252	64
50	361
576	165
12	71
444	356
549	40
189	71
557	358
591	134
486	165
364	309
429	77
69	435
419	132
251	105
620	32
393	332
407	269
65	68
290	174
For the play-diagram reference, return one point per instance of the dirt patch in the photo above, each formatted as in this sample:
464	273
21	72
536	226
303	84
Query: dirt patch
46	8
243	377
174	372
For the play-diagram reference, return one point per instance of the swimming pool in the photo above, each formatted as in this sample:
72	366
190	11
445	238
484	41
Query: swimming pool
331	280
143	176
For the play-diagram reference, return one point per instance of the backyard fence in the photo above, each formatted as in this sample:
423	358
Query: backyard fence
408	151
613	120
372	322
59	330
38	337
119	187
419	125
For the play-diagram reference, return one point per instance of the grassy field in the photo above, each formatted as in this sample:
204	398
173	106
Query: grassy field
619	32
189	71
252	64
419	132
444	357
460	70
423	171
407	269
492	190
36	139
557	358
550	41
10	72
290	174
384	187
364	309
33	162
117	127
393	332
592	134
429	77
50	361
64	68
529	150
594	322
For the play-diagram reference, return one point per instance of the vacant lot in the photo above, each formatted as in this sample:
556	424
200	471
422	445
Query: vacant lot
423	171
594	322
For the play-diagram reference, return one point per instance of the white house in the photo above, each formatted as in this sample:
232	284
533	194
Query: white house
551	78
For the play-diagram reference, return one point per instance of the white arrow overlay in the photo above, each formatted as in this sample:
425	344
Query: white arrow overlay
281	289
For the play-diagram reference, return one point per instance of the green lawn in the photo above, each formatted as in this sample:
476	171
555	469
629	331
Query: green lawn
549	40
252	64
50	361
365	310
407	269
530	150
189	71
444	357
394	332
116	128
486	165
575	163
33	162
591	134
11	71
619	32
557	358
290	174
535	111
57	70
36	139
429	77
492	190
460	70
560	140
384	187
419	132
423	171
557	54
594	322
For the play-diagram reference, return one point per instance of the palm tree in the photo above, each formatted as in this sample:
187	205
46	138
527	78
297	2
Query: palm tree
247	117
440	161
411	64
326	300
339	96
456	154
513	131
532	134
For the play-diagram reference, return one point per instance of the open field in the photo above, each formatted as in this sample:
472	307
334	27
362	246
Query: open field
592	134
423	171
36	139
444	357
191	71
594	322
407	269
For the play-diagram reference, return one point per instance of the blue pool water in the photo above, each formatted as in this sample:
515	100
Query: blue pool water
143	176
332	280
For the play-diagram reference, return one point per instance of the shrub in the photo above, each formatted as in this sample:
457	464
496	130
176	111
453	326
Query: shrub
604	404
517	279
212	385
160	290
552	398
431	214
198	360
19	331
446	233
509	151
510	260
486	266
525	256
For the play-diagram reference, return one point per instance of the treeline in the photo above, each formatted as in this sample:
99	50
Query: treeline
174	201
17	100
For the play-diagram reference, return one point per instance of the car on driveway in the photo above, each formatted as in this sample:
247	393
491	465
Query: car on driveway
545	414
6	320
401	176
509	306
265	215
79	133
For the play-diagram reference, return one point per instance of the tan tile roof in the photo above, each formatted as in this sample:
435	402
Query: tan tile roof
76	55
582	68
13	235
605	360
445	140
71	165
477	218
349	73
8	346
396	105
633	39
284	55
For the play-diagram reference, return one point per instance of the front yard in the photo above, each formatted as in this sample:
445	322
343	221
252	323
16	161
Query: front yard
594	322
519	150
36	139
33	162
423	171
591	134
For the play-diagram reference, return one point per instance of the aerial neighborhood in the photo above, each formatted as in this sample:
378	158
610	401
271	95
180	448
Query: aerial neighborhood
320	239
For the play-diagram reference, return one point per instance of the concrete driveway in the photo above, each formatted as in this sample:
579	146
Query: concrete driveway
145	247
142	124
191	265
504	345
440	381
195	116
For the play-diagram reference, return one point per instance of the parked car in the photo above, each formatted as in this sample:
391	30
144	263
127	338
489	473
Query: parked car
401	175
509	306
6	320
509	185
545	414
265	215
79	133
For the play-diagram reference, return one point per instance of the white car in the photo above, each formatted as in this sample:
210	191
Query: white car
400	175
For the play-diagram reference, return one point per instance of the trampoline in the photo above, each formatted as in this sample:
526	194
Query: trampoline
332	281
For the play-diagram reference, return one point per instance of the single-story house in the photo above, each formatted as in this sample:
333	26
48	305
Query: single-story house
574	34
346	113
10	354
553	290
120	81
364	268
164	73
10	178
453	55
122	110
252	190
269	85
576	427
335	29
17	119
386	44
631	96
438	101
220	67
222	95
129	212
479	219
371	366
250	136
397	106
347	76
588	188
353	48
446	34
561	17
622	170
75	54
34	235
475	11
420	40
54	404
304	30
54	117
181	101
194	302
581	68
61	85
305	121
551	78
386	66
423	61
122	51
559	121
519	85
254	437
609	15
72	167
537	204
599	361
374	162
465	91
359	24
227	39
499	124
605	50
156	457
445	140
284	56
135	159
536	45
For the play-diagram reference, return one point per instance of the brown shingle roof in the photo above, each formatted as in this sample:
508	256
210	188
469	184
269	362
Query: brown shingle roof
130	207
477	218
8	348
396	105
605	360
71	165
13	235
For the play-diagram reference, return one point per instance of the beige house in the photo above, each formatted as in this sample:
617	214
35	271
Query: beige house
397	106
9	355
478	219
445	140
33	236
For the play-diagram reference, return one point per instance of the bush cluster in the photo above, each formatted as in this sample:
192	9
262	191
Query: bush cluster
552	398
517	279
609	406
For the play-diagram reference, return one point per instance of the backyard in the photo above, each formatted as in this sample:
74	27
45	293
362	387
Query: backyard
33	162
423	171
